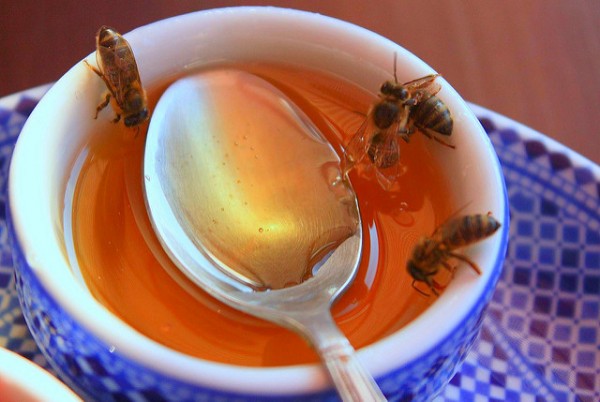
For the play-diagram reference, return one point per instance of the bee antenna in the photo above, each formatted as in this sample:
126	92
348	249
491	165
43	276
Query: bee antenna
395	60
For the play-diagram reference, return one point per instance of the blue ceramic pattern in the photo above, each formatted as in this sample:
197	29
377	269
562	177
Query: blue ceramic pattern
541	334
540	338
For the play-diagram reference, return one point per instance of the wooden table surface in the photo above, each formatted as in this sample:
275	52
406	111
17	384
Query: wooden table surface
536	61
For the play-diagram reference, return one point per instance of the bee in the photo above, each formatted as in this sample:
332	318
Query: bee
432	253
400	111
118	69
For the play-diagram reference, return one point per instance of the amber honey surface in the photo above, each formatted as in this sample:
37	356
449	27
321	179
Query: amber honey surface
125	268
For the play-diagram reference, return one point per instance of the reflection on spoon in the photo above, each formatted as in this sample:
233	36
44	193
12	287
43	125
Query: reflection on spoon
246	196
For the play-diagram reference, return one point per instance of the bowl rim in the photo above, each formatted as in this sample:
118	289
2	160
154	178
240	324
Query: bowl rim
274	381
30	380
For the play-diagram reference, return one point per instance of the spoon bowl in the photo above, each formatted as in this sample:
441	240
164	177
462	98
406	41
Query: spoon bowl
304	307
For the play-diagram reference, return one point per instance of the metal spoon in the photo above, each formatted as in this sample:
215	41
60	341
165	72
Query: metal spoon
174	147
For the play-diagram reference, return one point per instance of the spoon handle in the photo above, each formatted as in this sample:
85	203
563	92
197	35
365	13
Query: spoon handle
351	379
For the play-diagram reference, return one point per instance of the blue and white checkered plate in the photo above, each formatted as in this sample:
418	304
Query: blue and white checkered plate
540	339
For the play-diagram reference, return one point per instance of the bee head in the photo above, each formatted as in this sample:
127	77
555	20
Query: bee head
419	275
416	272
394	90
137	118
387	88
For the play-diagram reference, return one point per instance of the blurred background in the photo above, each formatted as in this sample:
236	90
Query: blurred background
536	61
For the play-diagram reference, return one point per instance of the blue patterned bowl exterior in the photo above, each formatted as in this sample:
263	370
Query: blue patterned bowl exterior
541	333
96	371
99	371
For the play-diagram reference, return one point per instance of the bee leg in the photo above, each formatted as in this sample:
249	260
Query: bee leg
107	99
435	138
468	261
405	134
102	105
117	118
451	269
405	126
101	75
444	143
420	291
447	266
94	69
435	286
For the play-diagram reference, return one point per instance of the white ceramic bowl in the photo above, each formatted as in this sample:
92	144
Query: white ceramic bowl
22	380
104	358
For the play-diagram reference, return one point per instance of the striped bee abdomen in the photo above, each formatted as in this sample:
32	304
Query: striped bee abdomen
434	115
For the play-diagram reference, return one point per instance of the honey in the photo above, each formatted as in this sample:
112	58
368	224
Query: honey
125	268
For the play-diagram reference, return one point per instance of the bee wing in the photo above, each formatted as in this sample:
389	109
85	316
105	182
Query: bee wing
443	230
421	83
385	155
358	145
449	228
105	61
119	67
423	88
